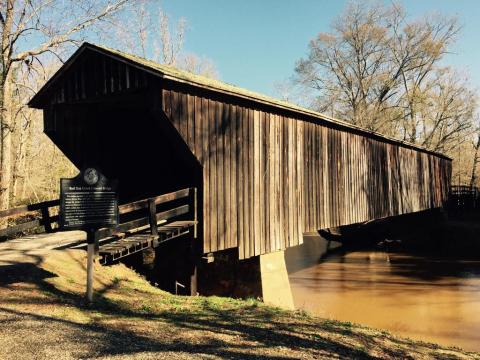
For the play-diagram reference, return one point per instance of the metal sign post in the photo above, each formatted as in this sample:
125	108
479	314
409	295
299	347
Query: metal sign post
88	202
91	245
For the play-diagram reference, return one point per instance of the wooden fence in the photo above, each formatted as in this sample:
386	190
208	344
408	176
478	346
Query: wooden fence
36	215
43	216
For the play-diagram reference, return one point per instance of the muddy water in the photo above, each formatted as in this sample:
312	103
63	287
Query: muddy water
432	299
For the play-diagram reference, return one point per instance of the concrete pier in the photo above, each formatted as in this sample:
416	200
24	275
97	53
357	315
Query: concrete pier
275	283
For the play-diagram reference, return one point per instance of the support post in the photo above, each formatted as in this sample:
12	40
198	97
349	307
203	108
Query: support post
195	213
194	246
46	219
90	263
193	279
152	219
152	216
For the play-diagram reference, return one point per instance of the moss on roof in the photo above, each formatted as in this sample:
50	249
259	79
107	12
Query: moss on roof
187	76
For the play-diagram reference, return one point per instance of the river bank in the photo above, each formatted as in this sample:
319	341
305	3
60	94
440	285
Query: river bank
42	315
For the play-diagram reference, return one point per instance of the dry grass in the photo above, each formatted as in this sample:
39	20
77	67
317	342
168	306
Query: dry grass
43	315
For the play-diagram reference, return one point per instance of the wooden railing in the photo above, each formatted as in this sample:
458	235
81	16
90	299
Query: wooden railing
148	212
148	223
132	215
40	213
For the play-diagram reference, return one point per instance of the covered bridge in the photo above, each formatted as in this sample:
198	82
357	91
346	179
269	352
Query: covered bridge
267	171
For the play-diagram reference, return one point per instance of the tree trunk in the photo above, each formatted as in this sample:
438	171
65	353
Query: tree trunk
476	160
6	107
22	138
6	145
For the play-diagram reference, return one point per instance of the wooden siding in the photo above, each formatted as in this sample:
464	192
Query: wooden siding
93	77
269	177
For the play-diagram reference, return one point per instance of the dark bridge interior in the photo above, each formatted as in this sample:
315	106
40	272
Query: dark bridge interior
127	143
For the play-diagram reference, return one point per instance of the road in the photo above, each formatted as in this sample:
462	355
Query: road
32	247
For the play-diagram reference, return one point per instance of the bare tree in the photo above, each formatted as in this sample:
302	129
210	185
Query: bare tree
350	64
445	108
31	31
198	65
37	164
476	159
171	44
381	71
152	34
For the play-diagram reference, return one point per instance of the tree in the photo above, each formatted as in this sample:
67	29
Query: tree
32	30
476	159
349	66
379	70
444	110
151	34
37	163
40	38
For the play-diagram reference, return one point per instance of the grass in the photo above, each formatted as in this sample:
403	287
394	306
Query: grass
43	315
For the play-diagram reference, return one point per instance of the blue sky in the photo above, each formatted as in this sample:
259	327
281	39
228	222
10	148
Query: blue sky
255	43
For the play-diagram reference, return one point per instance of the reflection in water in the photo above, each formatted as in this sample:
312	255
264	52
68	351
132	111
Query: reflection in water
431	299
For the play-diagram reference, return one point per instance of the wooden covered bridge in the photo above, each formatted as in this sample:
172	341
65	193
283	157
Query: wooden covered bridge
266	171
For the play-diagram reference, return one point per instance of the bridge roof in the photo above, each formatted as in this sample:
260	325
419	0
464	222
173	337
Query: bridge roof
178	75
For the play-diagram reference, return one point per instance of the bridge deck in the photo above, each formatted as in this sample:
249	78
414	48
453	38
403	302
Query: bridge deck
123	246
33	248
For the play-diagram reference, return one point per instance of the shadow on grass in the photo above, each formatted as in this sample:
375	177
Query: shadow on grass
23	272
266	330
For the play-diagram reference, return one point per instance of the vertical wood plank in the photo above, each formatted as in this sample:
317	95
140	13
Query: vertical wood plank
207	179
220	162
291	184
233	127
301	207
213	174
265	182
190	122
286	182
226	134
183	115
277	191
313	171
309	192
253	209
175	108
199	139
241	149
256	223
247	176
271	177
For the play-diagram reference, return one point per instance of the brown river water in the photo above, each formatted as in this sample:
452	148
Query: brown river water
420	297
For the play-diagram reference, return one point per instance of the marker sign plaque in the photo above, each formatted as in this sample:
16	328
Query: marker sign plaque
88	201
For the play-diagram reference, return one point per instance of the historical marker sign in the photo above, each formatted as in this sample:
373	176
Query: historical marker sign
88	201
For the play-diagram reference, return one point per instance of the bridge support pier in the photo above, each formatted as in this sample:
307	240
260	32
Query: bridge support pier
263	276
275	282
